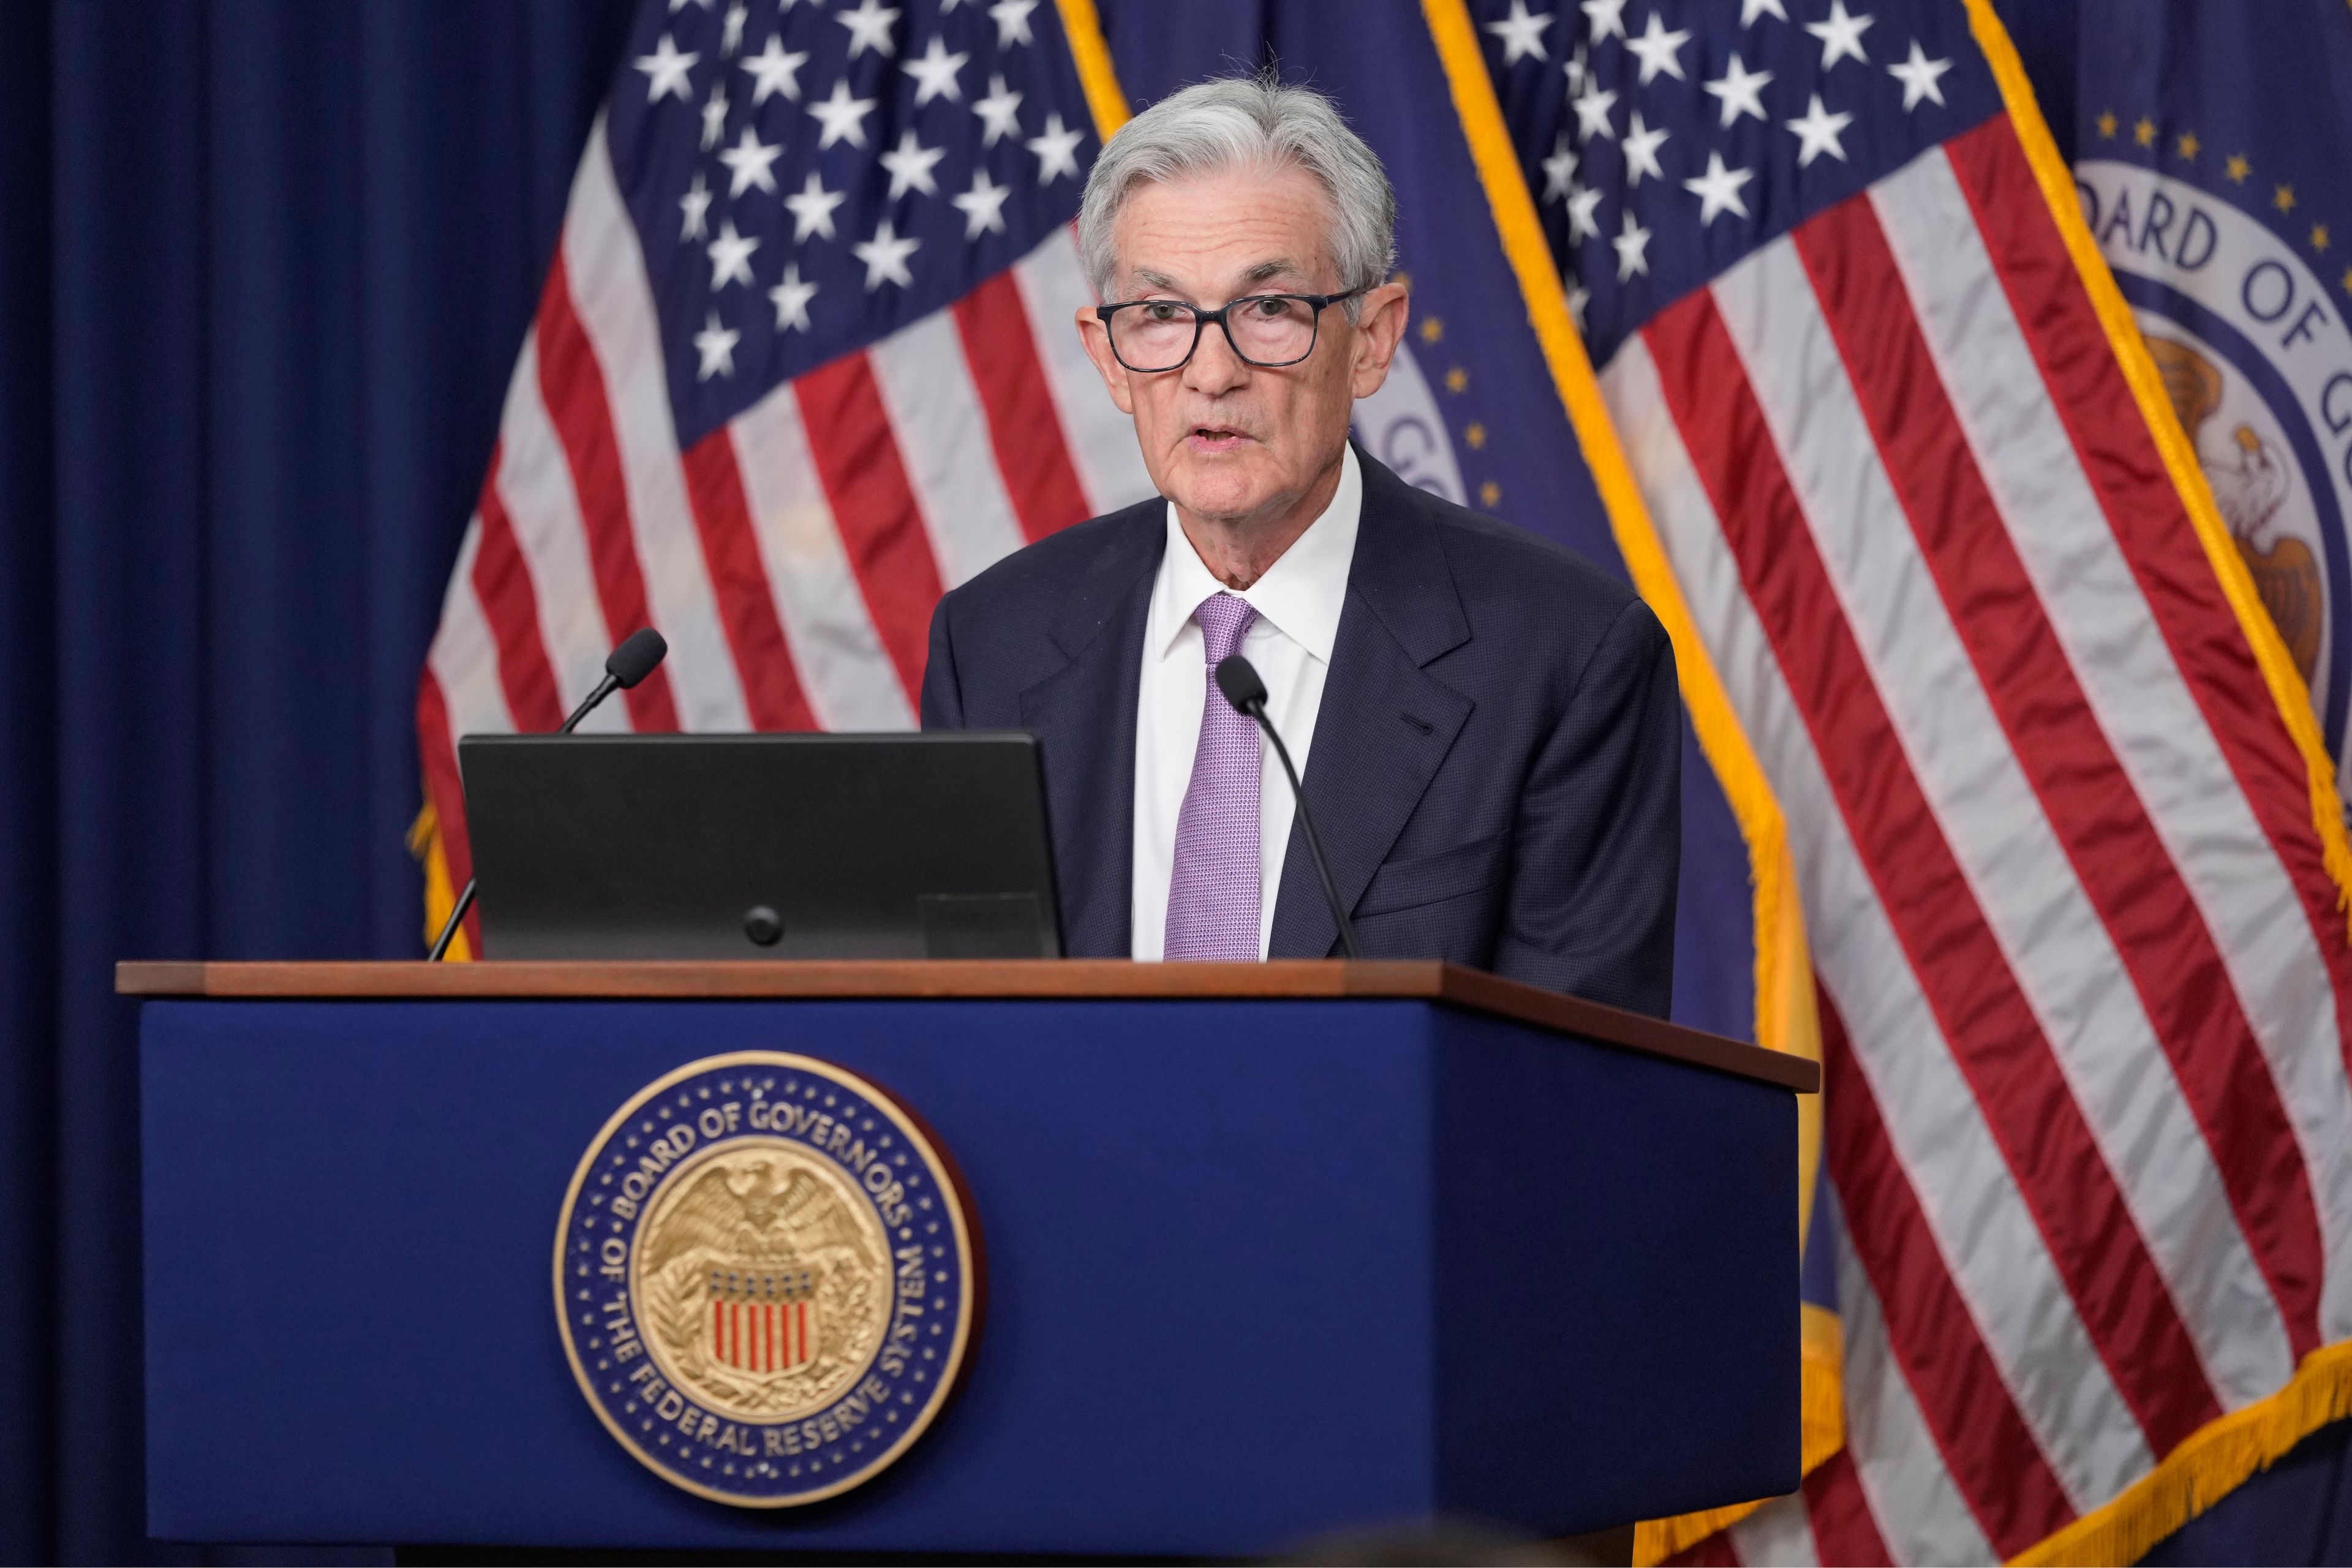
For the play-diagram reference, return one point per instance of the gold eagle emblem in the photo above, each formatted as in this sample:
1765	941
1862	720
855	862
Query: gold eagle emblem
764	1281
2251	480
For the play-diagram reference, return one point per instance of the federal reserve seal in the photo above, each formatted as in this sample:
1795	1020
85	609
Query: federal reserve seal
2257	361
767	1277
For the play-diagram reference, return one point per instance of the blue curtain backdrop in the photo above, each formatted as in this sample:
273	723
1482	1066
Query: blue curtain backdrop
264	266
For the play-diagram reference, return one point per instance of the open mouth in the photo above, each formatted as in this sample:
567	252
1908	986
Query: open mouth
1214	439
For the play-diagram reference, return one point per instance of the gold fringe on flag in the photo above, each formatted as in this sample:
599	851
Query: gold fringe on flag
2207	1467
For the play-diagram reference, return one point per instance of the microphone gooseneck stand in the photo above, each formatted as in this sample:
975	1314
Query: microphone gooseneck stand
1239	681
630	663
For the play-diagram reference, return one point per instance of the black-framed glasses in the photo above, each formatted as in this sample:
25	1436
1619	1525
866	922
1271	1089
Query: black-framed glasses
1269	331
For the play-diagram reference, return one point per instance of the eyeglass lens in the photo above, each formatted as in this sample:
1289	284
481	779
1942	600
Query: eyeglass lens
1269	328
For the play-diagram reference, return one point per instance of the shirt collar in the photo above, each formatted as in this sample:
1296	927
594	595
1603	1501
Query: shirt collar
1301	594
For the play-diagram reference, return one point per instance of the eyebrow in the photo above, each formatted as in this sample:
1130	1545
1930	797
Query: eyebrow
1264	271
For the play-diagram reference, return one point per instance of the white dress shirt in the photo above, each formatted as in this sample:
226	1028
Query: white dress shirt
1298	602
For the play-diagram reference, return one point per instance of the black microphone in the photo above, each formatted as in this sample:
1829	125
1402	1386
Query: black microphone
631	662
1238	679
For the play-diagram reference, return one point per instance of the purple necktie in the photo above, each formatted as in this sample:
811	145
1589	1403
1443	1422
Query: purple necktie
1213	890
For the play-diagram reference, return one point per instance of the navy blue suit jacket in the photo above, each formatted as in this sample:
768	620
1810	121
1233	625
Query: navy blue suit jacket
1495	766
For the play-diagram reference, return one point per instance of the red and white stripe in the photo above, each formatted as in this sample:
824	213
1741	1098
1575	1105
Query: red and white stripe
791	558
760	1336
2083	982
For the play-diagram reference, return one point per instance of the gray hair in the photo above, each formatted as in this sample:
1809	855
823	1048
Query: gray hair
1246	122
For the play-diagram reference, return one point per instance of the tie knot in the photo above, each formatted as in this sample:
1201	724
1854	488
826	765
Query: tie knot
1225	619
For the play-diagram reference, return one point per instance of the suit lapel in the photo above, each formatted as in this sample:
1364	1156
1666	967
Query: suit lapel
1385	724
1084	715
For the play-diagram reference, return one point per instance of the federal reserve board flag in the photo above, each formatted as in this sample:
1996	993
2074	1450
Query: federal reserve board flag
804	360
2212	154
2071	858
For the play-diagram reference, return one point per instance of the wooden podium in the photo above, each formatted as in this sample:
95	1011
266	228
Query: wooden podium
1272	1251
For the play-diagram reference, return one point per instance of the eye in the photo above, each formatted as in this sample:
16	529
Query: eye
1162	310
1270	306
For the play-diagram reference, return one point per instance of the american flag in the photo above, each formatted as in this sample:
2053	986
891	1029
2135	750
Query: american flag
2071	856
805	360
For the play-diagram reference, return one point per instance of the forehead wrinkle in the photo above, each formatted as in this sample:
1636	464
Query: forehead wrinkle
1263	272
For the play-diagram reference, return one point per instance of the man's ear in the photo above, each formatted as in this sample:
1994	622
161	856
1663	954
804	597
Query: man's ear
1379	327
1097	337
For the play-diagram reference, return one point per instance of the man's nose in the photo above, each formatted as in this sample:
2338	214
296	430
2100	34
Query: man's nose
1214	368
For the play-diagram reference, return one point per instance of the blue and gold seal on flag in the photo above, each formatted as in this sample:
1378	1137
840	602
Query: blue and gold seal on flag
768	1279
2223	207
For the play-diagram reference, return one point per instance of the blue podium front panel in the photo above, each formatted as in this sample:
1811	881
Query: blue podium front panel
1255	1271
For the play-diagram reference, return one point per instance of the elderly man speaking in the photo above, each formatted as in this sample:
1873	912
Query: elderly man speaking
1488	727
